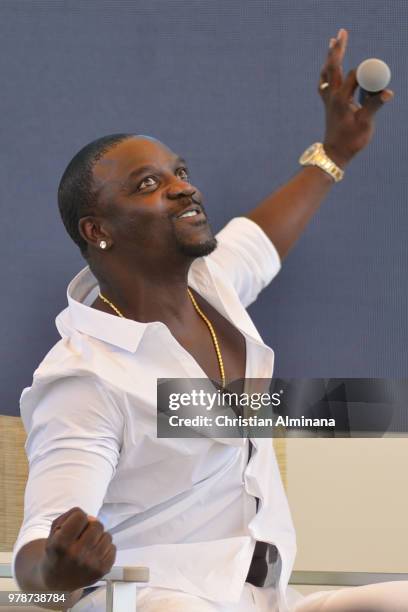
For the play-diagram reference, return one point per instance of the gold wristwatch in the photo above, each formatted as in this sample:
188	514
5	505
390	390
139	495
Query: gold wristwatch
315	155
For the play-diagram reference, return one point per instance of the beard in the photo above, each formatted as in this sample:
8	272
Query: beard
198	249
195	249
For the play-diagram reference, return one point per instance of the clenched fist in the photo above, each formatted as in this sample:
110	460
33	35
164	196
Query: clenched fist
78	552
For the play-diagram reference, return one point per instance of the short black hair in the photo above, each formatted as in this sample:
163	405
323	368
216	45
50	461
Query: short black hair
76	194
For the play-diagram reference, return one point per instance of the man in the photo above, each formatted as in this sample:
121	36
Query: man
159	301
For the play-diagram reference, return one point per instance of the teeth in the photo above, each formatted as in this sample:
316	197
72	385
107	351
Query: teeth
189	213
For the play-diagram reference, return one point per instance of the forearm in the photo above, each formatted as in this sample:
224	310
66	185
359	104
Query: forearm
284	214
29	561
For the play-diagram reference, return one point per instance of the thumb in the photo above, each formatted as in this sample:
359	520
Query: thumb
373	103
387	95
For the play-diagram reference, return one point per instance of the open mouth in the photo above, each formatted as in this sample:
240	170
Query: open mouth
192	212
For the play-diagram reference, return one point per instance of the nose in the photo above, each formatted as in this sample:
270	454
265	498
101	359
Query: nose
180	188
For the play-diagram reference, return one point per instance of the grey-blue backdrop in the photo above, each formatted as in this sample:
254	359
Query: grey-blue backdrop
232	87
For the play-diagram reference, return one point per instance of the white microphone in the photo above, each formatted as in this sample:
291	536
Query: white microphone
373	75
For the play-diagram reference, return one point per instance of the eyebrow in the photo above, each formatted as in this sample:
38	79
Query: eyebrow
149	168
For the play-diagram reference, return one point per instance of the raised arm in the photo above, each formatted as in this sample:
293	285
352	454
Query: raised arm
284	214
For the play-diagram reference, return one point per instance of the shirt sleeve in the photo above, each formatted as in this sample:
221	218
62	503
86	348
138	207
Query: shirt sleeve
247	257
73	447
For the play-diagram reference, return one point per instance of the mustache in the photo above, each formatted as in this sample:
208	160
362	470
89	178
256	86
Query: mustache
185	202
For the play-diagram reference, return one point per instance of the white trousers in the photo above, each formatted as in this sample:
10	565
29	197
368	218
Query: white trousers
253	599
383	597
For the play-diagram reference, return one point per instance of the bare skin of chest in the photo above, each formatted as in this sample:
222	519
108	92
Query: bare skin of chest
198	342
195	337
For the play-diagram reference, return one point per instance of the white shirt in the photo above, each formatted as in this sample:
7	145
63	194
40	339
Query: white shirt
184	507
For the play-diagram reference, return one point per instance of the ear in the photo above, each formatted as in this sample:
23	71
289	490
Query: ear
93	231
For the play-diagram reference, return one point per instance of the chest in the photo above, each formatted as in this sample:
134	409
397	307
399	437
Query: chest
199	342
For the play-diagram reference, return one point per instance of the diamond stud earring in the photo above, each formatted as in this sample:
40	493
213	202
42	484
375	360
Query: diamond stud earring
103	244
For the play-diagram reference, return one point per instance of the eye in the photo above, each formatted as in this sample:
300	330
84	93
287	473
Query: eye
145	182
184	174
151	181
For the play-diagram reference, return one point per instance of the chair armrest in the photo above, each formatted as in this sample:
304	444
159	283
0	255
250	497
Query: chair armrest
5	564
343	578
134	573
121	584
128	574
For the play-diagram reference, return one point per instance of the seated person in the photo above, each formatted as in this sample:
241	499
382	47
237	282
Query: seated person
164	298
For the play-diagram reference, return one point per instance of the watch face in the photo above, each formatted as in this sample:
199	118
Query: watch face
308	154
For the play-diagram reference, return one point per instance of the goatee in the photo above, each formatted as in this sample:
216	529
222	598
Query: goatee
198	249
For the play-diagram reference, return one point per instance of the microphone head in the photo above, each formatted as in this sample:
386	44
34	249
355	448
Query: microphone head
373	75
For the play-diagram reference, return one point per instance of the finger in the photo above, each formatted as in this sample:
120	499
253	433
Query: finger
58	522
342	37
323	73
350	84
105	553
372	104
104	545
387	95
72	527
91	535
334	68
91	518
354	106
108	559
337	49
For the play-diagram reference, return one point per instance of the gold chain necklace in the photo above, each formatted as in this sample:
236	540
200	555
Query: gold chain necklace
213	336
104	299
204	318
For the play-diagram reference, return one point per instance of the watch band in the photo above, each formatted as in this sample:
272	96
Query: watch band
315	155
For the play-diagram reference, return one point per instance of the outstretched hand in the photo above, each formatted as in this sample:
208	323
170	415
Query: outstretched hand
349	126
